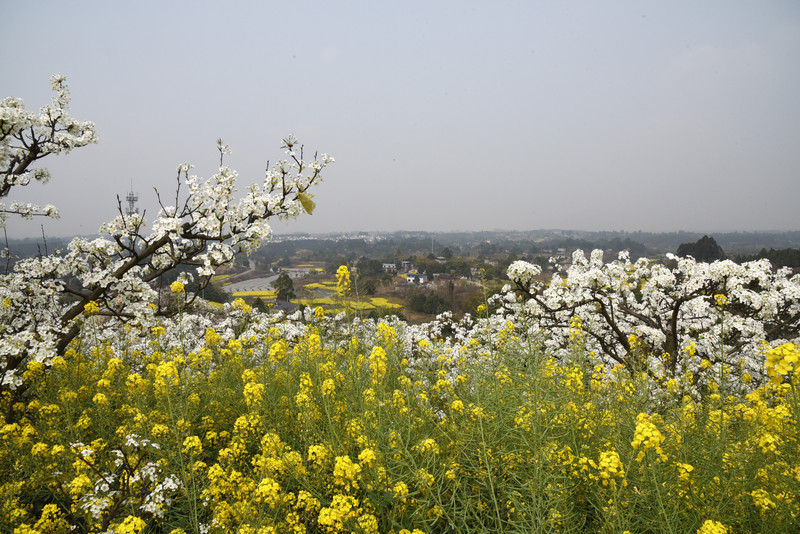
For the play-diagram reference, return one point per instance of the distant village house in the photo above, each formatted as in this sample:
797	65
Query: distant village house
416	278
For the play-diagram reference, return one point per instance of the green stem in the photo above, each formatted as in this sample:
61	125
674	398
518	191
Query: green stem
661	508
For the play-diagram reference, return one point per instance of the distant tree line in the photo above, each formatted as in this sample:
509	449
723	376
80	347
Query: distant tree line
706	249
785	257
427	302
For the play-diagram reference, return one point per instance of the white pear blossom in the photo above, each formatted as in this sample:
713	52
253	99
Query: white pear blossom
521	272
28	136
666	308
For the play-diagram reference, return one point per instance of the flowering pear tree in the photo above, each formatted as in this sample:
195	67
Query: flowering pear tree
27	136
649	316
43	299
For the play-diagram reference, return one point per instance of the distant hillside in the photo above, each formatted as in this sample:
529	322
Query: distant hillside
486	244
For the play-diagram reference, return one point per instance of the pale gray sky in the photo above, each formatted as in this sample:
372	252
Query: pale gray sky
638	115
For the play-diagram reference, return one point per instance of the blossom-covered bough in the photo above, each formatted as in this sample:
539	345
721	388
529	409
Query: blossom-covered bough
27	136
43	299
663	318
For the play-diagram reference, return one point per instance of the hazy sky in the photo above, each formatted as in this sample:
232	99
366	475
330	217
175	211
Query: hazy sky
638	115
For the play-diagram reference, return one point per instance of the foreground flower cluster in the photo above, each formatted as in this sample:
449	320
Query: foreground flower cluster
119	274
265	424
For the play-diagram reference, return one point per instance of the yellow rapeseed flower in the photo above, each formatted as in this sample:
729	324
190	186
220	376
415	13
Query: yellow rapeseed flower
253	394
377	364
781	361
768	443
91	308
343	279
159	430
427	445
712	527
647	437
761	499
269	491
610	467
192	446
51	520
400	489
425	478
386	334
345	472
342	509
131	525
80	485
240	304
576	330
367	457
368	524
328	387
317	454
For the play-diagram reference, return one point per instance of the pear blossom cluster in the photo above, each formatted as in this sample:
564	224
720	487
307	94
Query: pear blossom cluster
667	318
28	136
522	271
133	480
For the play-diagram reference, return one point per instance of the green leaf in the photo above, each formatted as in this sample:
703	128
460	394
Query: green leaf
305	200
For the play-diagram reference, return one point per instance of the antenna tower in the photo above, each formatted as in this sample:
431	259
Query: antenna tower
132	198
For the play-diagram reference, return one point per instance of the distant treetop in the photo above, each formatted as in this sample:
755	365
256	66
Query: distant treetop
704	249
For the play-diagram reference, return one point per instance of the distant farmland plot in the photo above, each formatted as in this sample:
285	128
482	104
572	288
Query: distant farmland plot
321	285
381	302
261	294
371	304
313	266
